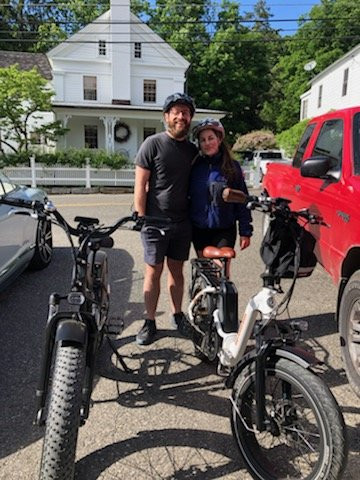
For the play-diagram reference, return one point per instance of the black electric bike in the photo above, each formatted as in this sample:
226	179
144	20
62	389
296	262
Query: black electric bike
285	420
77	323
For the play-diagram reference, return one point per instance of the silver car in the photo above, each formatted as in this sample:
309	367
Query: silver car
25	240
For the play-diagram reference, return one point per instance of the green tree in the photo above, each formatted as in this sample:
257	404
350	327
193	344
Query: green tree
234	72
23	94
184	27
331	32
38	25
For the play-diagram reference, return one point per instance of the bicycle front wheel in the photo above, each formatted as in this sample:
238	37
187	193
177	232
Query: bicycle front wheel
305	438
63	419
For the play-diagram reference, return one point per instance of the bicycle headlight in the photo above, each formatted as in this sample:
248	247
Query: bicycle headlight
76	298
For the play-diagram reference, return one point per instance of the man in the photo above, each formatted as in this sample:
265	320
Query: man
162	173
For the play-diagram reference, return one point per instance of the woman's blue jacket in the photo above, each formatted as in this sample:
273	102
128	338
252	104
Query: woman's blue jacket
207	208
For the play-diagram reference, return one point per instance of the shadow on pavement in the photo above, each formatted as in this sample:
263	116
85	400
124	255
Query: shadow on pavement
23	314
156	451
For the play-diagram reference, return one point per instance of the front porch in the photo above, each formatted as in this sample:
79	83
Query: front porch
113	128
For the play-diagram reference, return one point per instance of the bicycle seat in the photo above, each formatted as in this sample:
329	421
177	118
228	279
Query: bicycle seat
215	252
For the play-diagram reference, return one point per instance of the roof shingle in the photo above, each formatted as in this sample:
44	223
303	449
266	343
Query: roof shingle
27	61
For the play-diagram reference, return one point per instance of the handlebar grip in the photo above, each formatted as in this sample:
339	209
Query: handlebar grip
155	220
234	196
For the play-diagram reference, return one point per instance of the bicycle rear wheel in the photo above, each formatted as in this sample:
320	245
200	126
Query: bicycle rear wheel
306	437
63	419
210	342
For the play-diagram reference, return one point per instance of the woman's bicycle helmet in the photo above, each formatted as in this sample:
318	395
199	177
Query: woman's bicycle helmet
211	123
183	98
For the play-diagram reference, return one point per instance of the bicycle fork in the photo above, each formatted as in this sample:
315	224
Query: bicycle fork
65	327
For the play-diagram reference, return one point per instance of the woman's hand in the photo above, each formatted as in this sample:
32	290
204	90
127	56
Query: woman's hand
244	242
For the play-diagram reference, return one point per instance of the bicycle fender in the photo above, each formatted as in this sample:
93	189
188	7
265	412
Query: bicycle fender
297	355
71	331
248	358
302	357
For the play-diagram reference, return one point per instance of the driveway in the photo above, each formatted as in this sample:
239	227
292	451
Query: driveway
169	418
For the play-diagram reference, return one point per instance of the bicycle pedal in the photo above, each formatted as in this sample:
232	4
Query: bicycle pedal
115	327
222	370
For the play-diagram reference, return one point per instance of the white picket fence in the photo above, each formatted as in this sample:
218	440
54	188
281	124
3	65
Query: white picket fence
40	175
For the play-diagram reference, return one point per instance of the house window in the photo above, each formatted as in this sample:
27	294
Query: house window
36	138
137	50
102	47
345	82
149	131
320	96
149	90
90	88
91	136
304	109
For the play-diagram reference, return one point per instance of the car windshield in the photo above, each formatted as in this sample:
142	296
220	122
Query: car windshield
267	155
6	185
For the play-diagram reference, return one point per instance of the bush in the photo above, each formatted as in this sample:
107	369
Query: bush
289	139
71	157
258	139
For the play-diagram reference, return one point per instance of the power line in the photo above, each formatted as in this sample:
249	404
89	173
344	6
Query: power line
191	22
81	32
191	41
181	4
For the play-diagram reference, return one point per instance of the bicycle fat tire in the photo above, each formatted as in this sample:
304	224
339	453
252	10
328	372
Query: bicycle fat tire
63	419
308	442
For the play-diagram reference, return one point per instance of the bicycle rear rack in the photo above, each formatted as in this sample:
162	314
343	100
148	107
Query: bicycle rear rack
206	268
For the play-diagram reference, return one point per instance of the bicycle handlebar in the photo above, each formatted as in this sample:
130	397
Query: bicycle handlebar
269	205
49	209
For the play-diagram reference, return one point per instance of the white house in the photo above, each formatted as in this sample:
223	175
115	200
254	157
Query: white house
338	86
111	79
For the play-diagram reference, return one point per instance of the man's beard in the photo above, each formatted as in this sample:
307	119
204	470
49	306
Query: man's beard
178	132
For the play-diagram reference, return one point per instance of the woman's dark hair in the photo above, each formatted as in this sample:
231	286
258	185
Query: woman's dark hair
228	168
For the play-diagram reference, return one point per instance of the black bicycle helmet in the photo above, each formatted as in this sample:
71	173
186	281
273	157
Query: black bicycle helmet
183	98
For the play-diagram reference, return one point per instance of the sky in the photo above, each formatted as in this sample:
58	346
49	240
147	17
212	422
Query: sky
284	9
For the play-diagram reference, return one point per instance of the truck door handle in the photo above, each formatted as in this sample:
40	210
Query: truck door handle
297	188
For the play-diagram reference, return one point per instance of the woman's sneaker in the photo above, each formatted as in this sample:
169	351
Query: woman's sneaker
147	333
180	322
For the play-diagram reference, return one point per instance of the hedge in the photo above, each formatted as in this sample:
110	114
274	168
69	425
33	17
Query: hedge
70	157
289	139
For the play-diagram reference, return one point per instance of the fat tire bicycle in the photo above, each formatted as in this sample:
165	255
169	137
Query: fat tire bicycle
77	323
284	419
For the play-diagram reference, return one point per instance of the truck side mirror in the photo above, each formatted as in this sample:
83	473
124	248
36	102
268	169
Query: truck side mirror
316	167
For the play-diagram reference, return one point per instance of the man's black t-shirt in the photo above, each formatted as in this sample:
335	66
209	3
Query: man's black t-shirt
169	162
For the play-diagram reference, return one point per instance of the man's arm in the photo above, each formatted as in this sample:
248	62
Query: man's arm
142	176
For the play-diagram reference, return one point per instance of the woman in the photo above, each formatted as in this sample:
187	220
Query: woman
214	221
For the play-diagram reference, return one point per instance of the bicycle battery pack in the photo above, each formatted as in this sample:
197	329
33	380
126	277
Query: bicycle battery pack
228	307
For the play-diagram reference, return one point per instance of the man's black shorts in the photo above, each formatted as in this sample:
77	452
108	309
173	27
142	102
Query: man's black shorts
174	244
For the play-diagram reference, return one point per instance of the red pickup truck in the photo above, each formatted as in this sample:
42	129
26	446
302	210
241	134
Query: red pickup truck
325	177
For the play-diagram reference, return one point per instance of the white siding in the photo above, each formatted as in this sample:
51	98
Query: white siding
167	81
332	87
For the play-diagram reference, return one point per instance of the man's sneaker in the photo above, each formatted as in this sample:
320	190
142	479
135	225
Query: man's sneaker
147	333
180	322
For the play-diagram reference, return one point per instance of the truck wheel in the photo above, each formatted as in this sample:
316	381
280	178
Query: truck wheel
349	329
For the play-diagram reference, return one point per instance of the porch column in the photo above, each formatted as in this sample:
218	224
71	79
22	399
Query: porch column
65	122
109	124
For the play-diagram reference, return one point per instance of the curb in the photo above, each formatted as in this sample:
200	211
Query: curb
84	190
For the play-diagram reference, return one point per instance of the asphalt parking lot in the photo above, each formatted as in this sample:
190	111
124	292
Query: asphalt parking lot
168	419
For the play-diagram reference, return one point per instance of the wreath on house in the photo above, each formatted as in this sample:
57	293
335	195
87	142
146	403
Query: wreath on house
121	132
